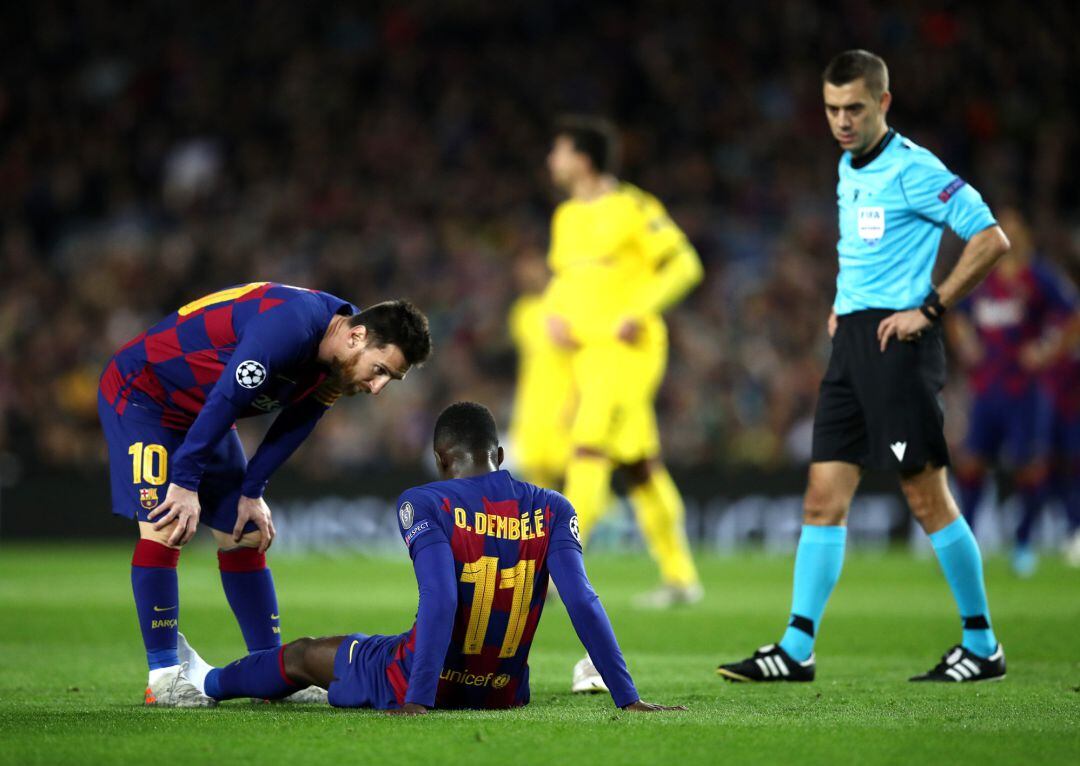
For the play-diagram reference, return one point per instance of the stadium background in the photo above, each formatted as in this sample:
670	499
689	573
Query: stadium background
148	157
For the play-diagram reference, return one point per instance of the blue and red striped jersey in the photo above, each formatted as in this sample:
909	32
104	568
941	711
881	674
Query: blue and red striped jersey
1009	312
501	532
243	351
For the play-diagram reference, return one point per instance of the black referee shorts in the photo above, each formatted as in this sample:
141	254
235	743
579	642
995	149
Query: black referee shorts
882	410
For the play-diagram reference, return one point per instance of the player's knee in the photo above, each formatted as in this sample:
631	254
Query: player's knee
225	540
970	469
147	532
823	508
1033	475
295	659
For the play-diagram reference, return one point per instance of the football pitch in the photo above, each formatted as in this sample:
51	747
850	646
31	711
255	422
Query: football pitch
72	670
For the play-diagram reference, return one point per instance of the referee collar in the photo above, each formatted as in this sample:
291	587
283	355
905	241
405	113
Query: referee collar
862	161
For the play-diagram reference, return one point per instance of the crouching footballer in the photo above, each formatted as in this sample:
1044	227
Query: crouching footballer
483	545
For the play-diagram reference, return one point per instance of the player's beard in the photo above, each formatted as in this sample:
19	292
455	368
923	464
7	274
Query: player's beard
343	371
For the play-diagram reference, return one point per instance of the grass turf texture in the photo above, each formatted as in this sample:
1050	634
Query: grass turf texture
72	671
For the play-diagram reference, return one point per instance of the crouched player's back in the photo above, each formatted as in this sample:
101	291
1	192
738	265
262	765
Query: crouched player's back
500	532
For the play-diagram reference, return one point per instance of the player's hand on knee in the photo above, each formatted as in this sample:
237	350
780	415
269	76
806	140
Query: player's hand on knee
641	706
832	323
182	507
904	325
409	708
254	509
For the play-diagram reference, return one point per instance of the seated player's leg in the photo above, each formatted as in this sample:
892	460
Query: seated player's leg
979	656
588	473
278	672
138	470
245	577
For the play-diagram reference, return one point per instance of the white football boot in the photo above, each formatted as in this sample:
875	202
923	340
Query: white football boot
173	688
587	679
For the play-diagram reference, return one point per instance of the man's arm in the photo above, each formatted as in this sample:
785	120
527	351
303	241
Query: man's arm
593	627
679	272
288	431
275	339
937	194
434	566
980	255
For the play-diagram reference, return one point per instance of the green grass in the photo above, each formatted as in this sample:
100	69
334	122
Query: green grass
72	672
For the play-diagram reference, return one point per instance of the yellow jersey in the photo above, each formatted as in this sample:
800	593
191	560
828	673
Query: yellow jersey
616	257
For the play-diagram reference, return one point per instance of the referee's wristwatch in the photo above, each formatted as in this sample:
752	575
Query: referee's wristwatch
932	308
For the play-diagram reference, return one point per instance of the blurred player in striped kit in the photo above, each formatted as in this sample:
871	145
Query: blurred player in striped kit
618	262
1008	336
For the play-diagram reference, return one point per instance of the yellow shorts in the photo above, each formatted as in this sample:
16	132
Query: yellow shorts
617	385
541	452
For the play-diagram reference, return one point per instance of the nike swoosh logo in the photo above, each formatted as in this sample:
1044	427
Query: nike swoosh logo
352	648
274	617
164	608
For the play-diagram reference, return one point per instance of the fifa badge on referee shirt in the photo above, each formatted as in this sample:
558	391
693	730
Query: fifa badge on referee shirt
148	498
871	222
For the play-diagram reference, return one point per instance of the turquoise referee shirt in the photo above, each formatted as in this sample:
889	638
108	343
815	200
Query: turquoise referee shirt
894	204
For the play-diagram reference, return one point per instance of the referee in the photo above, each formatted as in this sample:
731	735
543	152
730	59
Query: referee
879	404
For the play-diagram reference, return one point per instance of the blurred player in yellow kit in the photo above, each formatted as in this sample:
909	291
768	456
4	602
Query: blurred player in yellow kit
544	402
618	261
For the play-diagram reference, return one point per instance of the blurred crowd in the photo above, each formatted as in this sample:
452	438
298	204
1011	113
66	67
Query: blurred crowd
151	153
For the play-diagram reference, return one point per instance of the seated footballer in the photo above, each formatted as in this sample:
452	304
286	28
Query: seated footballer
483	545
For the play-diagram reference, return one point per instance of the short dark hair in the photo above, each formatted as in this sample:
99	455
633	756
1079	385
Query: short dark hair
466	426
595	137
858	64
399	323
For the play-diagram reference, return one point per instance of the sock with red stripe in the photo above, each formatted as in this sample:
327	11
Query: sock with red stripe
157	600
260	675
249	588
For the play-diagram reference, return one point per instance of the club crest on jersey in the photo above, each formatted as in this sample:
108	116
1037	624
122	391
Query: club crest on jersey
405	514
871	223
148	498
250	374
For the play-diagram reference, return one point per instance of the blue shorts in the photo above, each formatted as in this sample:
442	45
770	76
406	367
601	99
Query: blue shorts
1015	429
360	678
139	453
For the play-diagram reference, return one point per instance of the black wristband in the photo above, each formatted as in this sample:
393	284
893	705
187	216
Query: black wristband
932	308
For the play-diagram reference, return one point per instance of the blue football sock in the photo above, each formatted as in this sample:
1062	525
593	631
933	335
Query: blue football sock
260	675
818	561
157	600
249	588
958	554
